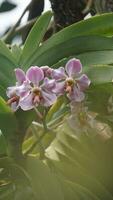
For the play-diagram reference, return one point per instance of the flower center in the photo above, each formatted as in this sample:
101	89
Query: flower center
69	85
37	95
36	91
70	82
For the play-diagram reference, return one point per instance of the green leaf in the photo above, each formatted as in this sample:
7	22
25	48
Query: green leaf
8	118
3	146
16	52
7	65
9	128
90	59
82	157
49	54
25	118
100	74
35	36
5	162
56	106
72	190
7	76
40	176
98	25
4	50
98	97
6	192
96	58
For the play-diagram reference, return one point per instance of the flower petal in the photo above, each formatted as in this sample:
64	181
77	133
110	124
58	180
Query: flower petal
48	98
76	95
47	71
23	89
26	103
83	82
20	91
58	74
11	91
60	88
49	84
20	75
73	67
35	75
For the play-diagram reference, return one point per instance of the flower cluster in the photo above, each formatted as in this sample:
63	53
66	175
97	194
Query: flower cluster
42	85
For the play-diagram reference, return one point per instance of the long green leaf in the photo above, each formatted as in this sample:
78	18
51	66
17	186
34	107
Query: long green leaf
40	175
35	36
84	159
7	76
100	74
99	25
8	123
4	50
7	65
49	55
3	146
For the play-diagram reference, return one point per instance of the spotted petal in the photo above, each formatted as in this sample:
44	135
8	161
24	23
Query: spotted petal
35	75
73	67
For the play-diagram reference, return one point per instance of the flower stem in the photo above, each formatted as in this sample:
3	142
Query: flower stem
38	113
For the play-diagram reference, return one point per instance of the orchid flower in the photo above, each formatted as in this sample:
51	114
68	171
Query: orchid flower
40	90
41	86
12	92
71	81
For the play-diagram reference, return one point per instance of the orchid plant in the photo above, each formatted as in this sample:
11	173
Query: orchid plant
56	121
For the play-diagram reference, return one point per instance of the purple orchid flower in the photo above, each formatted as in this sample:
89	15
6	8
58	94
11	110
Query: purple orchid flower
71	81
41	86
12	92
40	90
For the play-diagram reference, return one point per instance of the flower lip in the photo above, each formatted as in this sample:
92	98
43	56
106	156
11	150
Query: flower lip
36	100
